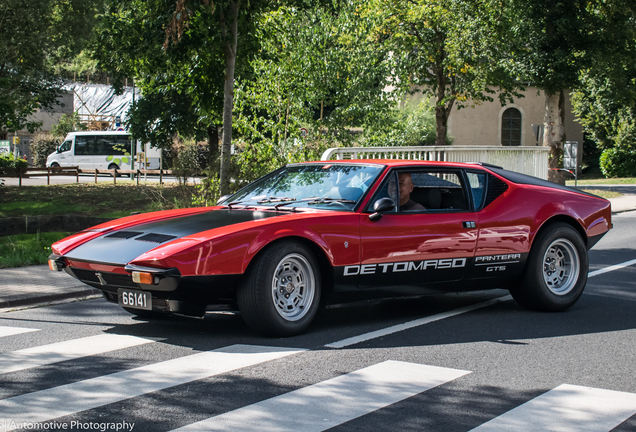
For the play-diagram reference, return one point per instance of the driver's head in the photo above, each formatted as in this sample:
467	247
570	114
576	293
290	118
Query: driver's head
406	187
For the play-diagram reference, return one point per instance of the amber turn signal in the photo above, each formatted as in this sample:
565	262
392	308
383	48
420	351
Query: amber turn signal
142	277
53	265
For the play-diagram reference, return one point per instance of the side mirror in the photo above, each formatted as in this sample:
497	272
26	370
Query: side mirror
380	206
59	149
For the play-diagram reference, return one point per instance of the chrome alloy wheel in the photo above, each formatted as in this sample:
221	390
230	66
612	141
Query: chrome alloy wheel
561	266
293	287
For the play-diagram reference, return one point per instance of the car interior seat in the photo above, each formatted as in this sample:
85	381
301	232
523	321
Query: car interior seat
431	198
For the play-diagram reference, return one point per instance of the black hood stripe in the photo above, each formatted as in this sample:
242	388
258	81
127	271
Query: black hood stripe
121	249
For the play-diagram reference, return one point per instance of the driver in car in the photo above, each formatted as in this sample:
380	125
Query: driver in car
406	187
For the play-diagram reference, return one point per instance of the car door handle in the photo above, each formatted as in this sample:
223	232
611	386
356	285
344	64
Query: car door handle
470	224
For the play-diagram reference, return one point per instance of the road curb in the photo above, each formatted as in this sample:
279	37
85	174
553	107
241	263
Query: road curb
34	300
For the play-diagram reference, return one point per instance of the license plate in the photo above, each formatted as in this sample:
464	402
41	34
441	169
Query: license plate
134	299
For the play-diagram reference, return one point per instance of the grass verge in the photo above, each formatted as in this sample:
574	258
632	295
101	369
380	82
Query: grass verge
27	249
104	200
603	181
604	193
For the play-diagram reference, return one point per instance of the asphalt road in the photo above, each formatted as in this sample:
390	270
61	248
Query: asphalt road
470	363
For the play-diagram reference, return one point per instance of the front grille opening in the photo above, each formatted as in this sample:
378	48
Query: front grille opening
156	238
85	275
124	234
111	279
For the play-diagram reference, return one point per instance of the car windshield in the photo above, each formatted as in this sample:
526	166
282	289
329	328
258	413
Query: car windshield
328	186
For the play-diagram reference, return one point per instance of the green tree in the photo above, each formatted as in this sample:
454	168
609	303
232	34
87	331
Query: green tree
318	70
557	41
68	123
35	37
448	49
186	51
605	99
181	84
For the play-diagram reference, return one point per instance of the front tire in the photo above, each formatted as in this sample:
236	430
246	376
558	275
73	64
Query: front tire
556	272
280	293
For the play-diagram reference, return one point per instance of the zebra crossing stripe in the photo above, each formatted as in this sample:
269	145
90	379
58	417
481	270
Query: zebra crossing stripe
67	350
567	408
10	331
330	403
415	323
71	398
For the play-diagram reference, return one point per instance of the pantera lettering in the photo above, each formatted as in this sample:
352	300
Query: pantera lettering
491	258
369	269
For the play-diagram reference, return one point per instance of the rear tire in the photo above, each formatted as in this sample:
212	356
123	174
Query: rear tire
556	271
114	166
280	293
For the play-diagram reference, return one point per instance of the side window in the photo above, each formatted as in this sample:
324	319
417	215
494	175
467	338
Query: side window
83	145
477	183
66	146
113	144
436	190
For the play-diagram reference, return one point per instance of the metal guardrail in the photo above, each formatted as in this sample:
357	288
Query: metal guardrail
74	171
527	160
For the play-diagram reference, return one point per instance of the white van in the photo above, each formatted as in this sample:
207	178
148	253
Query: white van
102	150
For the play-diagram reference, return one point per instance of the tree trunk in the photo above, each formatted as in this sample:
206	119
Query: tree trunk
213	145
441	125
228	102
554	134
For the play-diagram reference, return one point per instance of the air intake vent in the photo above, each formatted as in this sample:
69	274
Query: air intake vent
124	234
156	238
495	188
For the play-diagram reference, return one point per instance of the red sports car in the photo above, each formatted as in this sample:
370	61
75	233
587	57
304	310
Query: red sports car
325	233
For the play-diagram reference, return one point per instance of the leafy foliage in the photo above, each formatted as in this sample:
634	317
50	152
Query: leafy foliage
605	100
36	36
68	123
317	71
449	49
412	126
7	160
557	44
41	146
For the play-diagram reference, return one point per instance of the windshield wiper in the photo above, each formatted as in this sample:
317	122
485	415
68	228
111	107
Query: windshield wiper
238	202
331	200
275	200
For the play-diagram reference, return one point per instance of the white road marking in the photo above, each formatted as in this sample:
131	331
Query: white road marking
415	323
400	327
611	268
10	331
567	408
330	403
68	399
67	350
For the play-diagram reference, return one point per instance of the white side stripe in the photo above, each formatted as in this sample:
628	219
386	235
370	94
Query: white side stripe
67	350
611	268
72	398
10	331
332	402
415	323
567	408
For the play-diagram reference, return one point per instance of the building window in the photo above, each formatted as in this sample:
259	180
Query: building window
511	127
